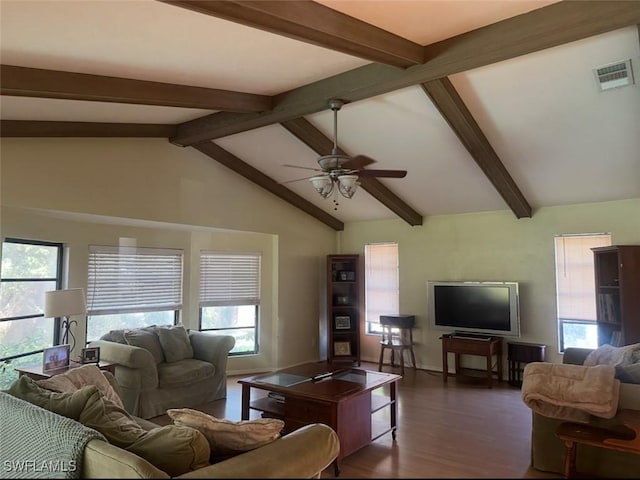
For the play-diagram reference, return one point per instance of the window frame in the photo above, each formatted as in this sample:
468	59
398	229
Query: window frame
235	296
563	321
372	326
137	269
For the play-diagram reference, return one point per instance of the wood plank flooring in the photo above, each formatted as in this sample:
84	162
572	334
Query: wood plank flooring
461	430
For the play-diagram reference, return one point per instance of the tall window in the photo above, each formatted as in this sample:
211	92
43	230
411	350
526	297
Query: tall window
132	287
575	289
29	268
381	283
230	297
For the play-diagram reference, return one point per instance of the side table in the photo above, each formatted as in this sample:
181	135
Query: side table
35	371
573	434
520	353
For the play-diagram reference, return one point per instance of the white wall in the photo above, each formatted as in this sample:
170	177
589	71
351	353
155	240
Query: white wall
157	194
492	246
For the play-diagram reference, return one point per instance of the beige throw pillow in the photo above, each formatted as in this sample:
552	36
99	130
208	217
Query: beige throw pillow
175	342
226	436
77	378
609	355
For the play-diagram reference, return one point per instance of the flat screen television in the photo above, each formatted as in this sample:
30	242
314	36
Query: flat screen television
489	308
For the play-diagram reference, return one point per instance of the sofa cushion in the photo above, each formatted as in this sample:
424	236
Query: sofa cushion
184	372
173	449
228	437
628	373
175	342
81	377
609	355
116	336
145	338
67	404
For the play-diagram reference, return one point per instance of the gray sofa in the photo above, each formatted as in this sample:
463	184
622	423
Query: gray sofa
150	384
547	450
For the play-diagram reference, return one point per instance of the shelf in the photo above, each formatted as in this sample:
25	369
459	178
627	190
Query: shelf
269	406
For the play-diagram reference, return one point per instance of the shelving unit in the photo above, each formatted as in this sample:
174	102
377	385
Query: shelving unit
617	277
345	294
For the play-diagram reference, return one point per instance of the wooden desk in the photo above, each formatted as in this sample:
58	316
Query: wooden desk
483	345
572	434
35	371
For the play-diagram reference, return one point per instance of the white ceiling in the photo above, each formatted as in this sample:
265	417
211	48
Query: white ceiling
562	140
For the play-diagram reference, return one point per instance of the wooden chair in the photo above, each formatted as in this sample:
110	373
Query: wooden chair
396	337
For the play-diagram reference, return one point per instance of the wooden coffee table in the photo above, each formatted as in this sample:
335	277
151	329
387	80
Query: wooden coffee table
345	400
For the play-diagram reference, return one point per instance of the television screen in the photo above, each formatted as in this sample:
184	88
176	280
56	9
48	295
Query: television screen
480	307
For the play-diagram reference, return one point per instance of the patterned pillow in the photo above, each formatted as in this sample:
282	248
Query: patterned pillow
228	437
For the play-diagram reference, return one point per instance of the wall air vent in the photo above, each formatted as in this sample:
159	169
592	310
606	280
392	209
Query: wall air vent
614	75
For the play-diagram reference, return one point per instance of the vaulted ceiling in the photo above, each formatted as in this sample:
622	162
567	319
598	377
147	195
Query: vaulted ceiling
487	104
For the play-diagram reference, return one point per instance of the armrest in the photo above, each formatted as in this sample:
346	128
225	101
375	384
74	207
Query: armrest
211	348
575	355
135	367
304	453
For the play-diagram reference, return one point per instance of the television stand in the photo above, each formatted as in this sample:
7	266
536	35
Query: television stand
469	344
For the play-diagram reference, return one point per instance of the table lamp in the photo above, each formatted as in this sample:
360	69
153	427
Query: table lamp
65	303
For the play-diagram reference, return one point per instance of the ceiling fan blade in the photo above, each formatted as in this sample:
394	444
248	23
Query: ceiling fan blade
297	180
382	173
357	162
298	166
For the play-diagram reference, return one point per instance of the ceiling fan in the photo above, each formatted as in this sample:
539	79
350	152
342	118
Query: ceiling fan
342	171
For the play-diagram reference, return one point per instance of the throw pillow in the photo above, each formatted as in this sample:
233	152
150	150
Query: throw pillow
628	373
609	355
116	336
67	404
228	437
175	342
146	338
173	449
81	377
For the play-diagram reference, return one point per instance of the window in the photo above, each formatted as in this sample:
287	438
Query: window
132	287
29	268
381	283
575	289
230	297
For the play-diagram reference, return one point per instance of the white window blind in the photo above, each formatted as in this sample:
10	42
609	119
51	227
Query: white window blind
381	280
229	279
575	282
133	279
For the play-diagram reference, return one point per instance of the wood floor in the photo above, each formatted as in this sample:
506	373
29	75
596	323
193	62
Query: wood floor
461	430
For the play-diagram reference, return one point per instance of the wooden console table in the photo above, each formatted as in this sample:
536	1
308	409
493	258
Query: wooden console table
35	371
518	354
466	344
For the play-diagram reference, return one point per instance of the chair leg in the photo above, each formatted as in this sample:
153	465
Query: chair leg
381	357
413	357
401	353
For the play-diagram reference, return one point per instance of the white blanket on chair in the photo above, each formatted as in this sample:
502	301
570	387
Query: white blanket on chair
570	392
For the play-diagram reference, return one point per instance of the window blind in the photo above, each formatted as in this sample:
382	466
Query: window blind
229	279
381	280
133	279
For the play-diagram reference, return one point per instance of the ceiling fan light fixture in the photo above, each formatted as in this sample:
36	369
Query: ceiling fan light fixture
333	161
323	185
348	184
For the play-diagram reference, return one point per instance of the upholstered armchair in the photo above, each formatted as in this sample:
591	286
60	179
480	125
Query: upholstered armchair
164	367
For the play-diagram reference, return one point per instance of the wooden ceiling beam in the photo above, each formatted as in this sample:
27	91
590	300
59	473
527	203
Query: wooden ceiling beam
447	100
31	128
314	23
546	27
37	82
232	162
322	145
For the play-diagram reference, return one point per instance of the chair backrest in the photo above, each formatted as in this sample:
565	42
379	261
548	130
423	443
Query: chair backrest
396	336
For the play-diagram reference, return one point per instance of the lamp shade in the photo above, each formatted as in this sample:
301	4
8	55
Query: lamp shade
64	303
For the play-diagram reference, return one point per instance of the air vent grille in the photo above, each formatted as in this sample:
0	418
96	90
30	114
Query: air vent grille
614	75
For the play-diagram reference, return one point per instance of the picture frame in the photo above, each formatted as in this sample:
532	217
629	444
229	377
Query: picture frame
90	355
56	358
341	349
342	322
